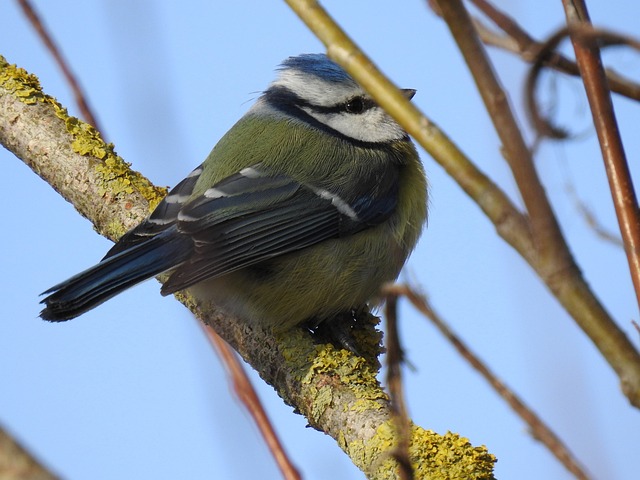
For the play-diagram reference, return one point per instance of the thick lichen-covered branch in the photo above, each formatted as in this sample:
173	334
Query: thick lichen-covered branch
337	391
70	155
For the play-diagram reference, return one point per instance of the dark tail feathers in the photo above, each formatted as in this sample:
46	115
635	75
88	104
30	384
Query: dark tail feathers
115	274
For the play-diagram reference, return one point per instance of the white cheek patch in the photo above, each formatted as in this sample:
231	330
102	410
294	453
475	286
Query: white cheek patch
374	125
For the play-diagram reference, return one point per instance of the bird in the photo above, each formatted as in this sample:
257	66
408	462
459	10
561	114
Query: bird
310	203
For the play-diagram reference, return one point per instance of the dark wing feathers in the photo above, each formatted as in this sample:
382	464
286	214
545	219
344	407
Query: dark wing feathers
248	195
244	219
252	216
377	198
164	215
297	222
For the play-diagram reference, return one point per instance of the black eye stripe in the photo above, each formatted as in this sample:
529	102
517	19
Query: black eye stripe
280	96
355	105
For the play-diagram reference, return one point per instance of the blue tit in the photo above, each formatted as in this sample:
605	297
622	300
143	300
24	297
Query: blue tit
304	208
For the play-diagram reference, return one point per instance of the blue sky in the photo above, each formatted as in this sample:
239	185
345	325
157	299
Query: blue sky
133	390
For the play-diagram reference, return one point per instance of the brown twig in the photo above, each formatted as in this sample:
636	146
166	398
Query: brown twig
603	38
246	393
396	393
518	41
544	126
539	430
38	25
552	251
615	161
591	219
552	259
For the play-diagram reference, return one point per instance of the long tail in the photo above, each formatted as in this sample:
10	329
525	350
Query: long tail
115	274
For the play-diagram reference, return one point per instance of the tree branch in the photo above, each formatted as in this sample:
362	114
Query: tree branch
18	464
335	390
518	41
74	83
606	125
545	251
537	428
245	392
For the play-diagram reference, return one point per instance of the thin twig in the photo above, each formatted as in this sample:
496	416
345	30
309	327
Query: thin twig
603	38
591	220
548	239
246	393
518	41
636	325
604	120
539	430
47	39
543	125
396	391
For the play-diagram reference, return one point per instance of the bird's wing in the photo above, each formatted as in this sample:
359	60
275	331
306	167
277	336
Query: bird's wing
253	216
162	218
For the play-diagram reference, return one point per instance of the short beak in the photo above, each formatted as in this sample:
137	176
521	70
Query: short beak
408	93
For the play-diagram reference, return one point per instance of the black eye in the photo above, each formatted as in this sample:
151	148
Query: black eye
355	105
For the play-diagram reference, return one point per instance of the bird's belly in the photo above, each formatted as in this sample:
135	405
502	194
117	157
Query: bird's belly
316	283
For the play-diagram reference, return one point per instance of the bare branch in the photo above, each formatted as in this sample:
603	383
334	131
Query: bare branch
518	41
603	38
544	226
47	39
396	392
539	430
549	254
246	393
591	219
615	161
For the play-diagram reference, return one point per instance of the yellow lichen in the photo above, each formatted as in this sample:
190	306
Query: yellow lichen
347	369
322	399
117	178
113	230
433	456
18	81
342	441
86	139
115	175
362	405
